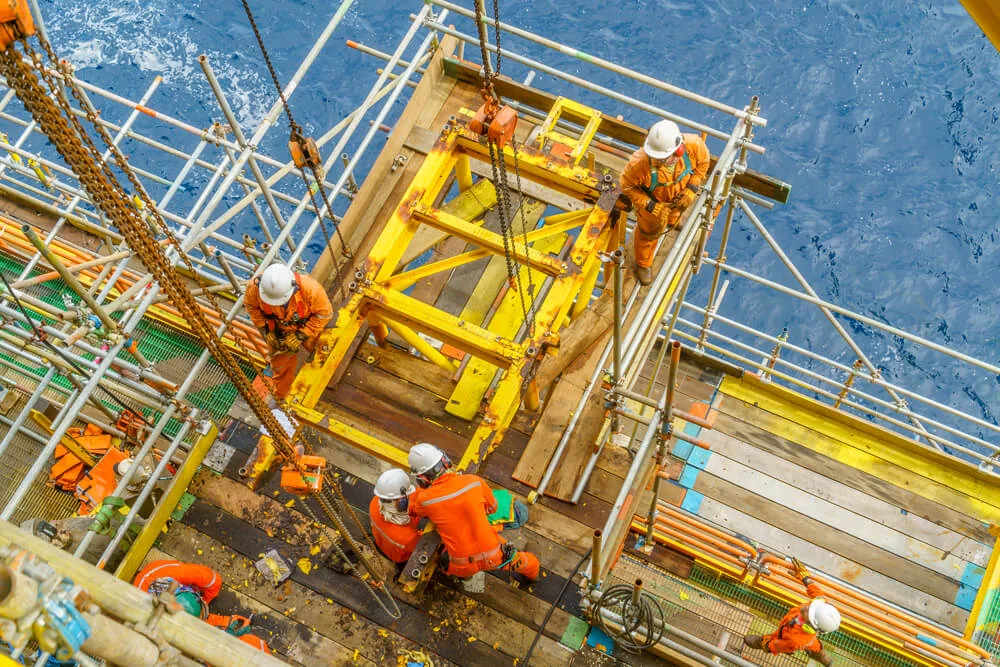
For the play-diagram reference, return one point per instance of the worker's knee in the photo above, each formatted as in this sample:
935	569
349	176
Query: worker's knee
526	564
754	641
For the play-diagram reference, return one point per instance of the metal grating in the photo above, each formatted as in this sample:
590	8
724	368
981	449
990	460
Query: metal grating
987	632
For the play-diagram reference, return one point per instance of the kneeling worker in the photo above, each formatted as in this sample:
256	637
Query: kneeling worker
458	506
661	179
290	310
801	627
395	531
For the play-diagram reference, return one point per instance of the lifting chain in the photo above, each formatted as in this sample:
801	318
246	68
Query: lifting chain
74	144
305	154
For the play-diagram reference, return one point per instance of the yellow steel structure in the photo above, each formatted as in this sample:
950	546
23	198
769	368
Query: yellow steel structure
547	136
377	295
987	14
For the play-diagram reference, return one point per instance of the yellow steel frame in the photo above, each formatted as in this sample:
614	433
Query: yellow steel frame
548	132
377	292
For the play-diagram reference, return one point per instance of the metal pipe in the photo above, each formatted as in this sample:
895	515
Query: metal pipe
109	324
834	308
593	87
619	260
675	361
352	183
826	312
118	645
18	593
605	64
36	395
267	123
228	270
595	561
762	367
234	124
147	489
127	603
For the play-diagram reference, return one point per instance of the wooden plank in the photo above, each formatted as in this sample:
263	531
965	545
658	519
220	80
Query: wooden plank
849	547
314	610
285	635
450	642
863	577
901	496
617	129
663	556
746	457
408	367
872	461
832	514
580	334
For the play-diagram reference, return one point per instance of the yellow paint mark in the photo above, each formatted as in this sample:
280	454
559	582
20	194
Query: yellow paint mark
200	552
471	639
314	550
929	474
329	601
290	502
305	565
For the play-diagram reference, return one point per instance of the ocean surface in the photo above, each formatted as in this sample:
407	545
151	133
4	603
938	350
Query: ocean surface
882	115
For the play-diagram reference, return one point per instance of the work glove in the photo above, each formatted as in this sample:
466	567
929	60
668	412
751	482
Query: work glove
273	343
292	341
801	572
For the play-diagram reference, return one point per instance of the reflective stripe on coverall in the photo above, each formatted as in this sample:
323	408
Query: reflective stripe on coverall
791	636
395	541
201	579
308	311
458	505
671	181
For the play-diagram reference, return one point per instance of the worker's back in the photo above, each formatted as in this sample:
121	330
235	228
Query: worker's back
396	541
457	505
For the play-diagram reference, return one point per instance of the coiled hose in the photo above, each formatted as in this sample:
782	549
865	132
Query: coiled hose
636	618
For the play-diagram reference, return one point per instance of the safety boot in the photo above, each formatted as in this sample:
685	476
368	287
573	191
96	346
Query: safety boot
753	641
644	274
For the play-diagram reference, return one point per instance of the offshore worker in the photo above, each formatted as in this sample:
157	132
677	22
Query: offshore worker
801	627
290	310
458	506
395	531
198	585
660	180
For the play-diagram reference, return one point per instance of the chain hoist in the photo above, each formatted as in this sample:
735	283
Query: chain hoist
57	120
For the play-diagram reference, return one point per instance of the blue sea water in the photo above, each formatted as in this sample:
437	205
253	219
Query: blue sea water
882	115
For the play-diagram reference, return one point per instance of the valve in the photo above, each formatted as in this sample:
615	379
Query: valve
304	474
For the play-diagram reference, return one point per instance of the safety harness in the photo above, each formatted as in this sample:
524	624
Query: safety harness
655	176
297	318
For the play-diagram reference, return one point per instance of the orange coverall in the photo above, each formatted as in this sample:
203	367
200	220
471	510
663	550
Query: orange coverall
790	636
690	169
308	311
457	505
395	541
201	579
256	642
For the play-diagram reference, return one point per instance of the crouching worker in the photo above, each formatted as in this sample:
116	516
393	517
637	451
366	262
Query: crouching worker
395	531
197	586
802	626
290	310
458	505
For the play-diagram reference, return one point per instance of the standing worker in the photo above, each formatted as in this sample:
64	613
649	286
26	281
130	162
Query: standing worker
290	310
801	627
395	531
458	506
197	585
661	179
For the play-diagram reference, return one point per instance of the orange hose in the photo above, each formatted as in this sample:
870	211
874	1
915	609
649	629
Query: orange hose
666	509
640	524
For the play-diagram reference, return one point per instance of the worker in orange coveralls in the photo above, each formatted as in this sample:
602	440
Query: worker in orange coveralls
290	310
661	179
458	506
198	585
395	531
801	627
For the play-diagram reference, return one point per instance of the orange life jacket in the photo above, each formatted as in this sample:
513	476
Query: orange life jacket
68	468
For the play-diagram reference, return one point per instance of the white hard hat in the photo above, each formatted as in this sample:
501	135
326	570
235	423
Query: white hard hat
423	457
663	140
277	284
393	484
823	616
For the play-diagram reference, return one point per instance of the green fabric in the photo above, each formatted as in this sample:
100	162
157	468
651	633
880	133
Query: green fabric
505	507
190	602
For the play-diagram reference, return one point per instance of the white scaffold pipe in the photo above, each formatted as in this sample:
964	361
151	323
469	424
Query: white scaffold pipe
605	64
593	87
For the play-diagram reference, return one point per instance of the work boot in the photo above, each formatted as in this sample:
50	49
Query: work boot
753	641
475	584
644	274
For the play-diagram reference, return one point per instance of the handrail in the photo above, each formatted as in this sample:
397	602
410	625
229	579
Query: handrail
891	627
